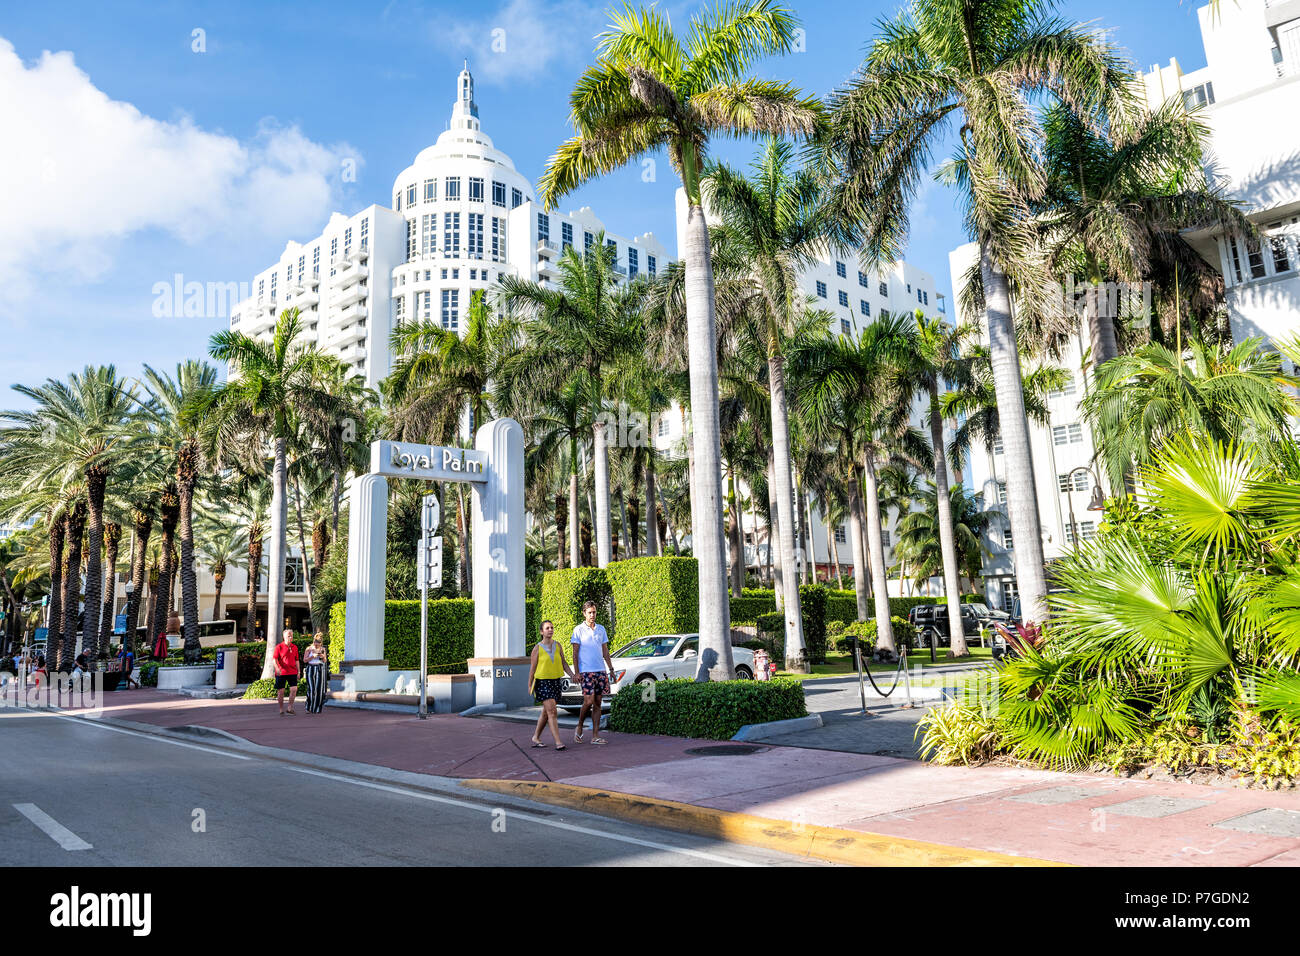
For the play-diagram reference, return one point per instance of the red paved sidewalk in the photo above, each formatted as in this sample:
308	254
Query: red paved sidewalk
1073	818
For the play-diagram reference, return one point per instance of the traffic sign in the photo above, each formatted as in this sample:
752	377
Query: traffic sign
430	562
430	514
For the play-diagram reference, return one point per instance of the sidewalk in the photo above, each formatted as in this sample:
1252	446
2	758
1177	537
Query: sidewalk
1068	818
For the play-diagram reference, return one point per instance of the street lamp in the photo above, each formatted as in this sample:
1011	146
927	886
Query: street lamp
1096	503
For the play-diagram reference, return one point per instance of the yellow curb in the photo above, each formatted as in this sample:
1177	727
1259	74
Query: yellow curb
832	844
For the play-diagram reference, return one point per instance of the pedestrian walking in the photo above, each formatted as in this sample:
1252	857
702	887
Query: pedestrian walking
589	643
316	671
285	661
127	657
546	675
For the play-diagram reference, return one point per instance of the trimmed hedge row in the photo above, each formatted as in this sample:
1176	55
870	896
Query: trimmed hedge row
633	598
713	710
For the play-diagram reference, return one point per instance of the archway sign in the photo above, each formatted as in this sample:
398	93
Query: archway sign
494	468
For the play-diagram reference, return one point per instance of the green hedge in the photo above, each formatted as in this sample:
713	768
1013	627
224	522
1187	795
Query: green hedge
563	594
714	710
451	634
812	606
654	596
265	689
747	608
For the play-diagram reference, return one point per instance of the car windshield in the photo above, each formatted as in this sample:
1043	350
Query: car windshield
648	647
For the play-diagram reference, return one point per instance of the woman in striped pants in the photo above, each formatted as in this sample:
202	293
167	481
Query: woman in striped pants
317	672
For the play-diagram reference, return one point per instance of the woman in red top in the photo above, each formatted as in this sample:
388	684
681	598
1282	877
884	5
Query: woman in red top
285	661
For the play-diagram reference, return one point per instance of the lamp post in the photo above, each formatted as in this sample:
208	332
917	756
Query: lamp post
1096	503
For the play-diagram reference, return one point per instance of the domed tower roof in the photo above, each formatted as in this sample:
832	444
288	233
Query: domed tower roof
464	115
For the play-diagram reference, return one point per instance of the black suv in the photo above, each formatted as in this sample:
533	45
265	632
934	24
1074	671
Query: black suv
933	618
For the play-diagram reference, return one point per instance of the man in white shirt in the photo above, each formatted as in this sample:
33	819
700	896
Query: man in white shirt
589	644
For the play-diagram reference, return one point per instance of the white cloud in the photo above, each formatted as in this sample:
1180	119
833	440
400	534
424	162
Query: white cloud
523	39
83	172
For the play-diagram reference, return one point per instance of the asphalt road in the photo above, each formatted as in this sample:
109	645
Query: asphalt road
76	793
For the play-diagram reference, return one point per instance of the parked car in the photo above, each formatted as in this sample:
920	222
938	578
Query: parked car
655	658
933	618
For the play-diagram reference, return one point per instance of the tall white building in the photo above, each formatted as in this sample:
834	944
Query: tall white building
1249	93
461	217
853	298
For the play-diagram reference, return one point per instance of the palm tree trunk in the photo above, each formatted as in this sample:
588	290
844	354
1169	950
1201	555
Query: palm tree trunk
600	464
810	566
302	548
219	580
561	519
95	485
690	469
1022	496
651	522
737	540
170	516
947	539
58	534
112	541
153	600
672	532
879	584
189	579
275	567
835	556
575	558
1101	330
774	537
795	648
466	581
859	553
254	570
76	526
632	522
143	524
337	497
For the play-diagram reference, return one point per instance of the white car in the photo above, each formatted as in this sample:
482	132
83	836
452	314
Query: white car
658	657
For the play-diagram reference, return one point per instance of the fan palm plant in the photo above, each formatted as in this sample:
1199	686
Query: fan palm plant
920	535
650	89
982	67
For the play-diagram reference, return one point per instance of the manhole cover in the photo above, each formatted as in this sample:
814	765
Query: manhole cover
725	750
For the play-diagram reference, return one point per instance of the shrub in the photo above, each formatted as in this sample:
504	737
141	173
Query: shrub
812	606
752	603
265	689
147	674
563	594
653	596
959	734
714	710
864	631
451	634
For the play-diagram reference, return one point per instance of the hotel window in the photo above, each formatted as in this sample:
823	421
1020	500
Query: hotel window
884	537
365	233
516	198
922	296
274	276
663	426
1081	482
543	226
632	265
347	240
399	309
566	235
884	289
1255	258
475	189
864	307
334	251
429	233
302	267
427	297
1006	539
498	194
430	190
1009	596
1198	96
397	201
841	535
474	236
412	238
1087	531
862	280
410	195
451	308
845	326
1068	388
261	286
1281	263
451	188
612	244
587	240
821	289
1002	492
844	298
1071	434
841	271
650	265
315	261
498	240
451	235
997	445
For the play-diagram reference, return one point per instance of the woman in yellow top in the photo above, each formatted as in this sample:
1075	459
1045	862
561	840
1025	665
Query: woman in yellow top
545	674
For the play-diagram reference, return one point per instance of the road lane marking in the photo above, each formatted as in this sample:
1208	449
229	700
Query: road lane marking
557	824
147	736
52	828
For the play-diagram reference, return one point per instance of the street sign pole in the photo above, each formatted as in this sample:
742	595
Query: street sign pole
430	514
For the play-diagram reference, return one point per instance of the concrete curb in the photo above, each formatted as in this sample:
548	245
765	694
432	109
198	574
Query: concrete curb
773	727
831	844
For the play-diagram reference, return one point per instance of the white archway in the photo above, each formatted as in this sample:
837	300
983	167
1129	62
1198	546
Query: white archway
495	470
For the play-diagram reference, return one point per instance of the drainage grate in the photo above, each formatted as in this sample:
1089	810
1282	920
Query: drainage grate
725	750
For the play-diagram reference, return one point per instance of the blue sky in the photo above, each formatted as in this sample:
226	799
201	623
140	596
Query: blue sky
158	139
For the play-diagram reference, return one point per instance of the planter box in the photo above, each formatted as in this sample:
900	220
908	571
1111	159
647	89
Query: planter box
194	675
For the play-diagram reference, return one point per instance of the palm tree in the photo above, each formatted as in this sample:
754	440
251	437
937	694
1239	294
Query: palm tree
581	328
274	387
1120	200
223	544
1155	395
982	67
649	90
774	224
920	533
936	362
